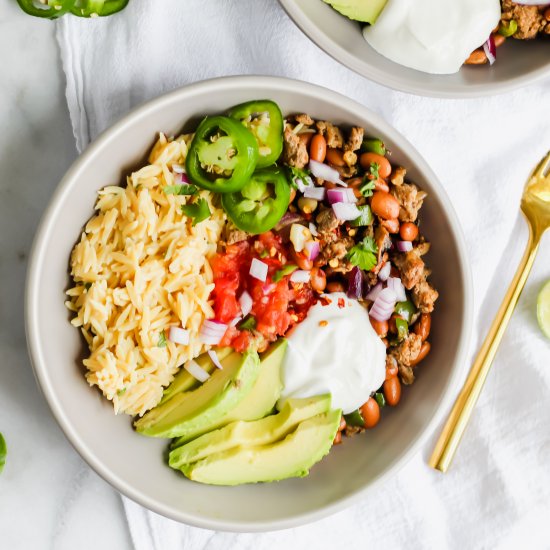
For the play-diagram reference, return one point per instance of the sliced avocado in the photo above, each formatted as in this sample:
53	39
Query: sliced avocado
183	381
291	457
248	434
366	11
194	412
263	396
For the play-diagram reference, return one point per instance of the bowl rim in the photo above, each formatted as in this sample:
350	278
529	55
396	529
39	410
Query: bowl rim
50	217
341	55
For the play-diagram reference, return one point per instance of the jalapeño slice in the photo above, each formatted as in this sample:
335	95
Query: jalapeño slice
261	203
265	120
222	155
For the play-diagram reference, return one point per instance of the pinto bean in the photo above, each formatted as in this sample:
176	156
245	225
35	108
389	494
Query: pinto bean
318	148
423	325
370	411
384	166
392	391
385	205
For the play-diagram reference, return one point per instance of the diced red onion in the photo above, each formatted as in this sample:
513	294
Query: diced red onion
300	276
532	2
350	195
325	172
246	303
336	195
384	273
380	314
215	359
312	249
387	297
178	336
317	193
490	49
178	168
404	246
235	321
258	269
268	288
373	293
345	211
285	223
313	229
384	305
396	285
181	179
355	283
303	183
195	370
212	332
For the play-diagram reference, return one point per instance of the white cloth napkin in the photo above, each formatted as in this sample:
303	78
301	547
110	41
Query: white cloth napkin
497	494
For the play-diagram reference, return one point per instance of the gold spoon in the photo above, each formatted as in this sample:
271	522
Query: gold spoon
535	205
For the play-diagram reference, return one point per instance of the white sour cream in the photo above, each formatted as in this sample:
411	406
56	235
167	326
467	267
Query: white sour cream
433	36
335	350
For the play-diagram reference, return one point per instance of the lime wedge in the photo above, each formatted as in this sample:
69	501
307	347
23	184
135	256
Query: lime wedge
543	309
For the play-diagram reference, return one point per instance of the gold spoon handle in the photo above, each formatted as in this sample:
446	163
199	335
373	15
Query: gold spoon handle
455	426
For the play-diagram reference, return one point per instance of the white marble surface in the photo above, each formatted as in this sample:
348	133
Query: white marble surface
49	498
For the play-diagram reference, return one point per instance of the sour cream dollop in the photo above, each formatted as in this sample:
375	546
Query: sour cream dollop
433	36
335	350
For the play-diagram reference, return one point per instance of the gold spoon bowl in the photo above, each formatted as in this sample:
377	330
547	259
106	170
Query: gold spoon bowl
535	205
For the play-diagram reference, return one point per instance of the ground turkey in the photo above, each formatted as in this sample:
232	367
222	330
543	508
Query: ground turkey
410	200
530	19
405	354
294	149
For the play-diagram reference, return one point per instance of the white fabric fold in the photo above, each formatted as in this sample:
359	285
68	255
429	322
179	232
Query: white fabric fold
497	494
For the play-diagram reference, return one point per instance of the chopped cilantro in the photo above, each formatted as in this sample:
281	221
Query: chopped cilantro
162	340
248	324
264	254
374	167
197	211
299	174
180	189
285	270
363	254
367	187
3	452
121	392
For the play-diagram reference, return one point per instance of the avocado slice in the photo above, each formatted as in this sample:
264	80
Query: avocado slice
194	412
247	434
183	381
291	457
366	11
263	396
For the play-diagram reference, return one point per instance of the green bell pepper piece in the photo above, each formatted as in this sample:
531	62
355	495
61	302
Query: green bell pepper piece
222	156
374	145
261	203
402	329
405	310
355	418
265	120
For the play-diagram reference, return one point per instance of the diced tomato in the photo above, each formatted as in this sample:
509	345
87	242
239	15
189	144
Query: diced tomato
242	342
276	307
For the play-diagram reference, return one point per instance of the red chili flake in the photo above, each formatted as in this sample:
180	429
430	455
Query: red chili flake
325	301
341	303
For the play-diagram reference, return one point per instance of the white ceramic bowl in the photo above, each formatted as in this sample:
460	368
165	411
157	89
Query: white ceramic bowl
518	64
135	465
